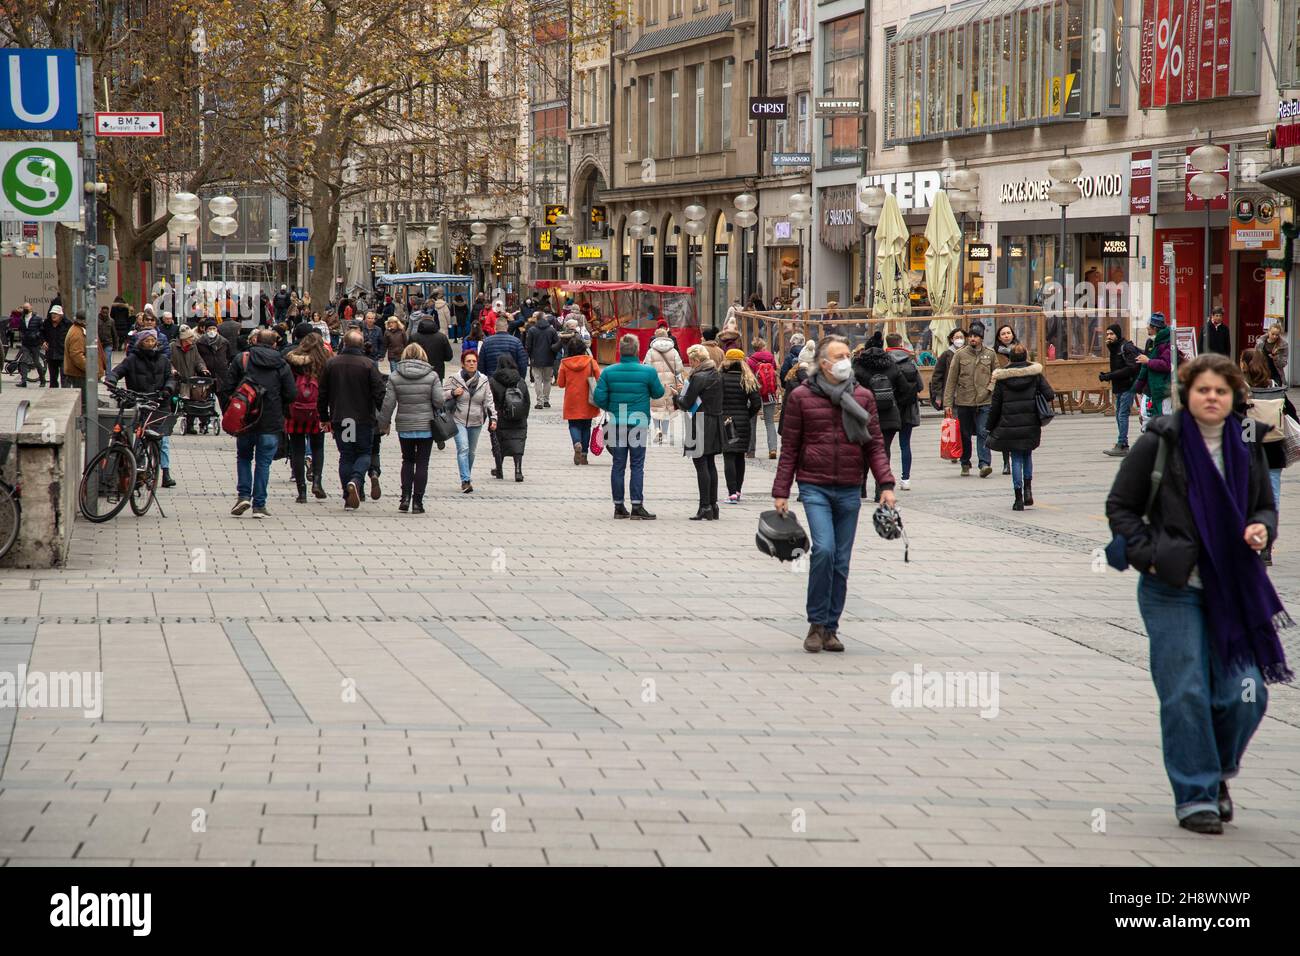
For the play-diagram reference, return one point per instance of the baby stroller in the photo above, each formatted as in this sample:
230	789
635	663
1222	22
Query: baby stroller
199	411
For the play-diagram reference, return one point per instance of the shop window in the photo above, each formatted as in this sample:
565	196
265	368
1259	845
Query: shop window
985	65
1288	66
728	68
842	77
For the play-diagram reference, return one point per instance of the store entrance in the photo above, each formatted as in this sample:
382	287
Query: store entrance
1249	299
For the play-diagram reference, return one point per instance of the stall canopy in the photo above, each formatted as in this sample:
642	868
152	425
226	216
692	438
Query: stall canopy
635	307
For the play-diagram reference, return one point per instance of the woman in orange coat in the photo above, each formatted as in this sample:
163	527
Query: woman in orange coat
578	410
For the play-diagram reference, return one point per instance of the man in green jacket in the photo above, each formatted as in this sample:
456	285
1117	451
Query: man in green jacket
968	392
625	390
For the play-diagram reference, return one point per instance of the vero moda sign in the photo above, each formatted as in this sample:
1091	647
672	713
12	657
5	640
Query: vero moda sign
38	90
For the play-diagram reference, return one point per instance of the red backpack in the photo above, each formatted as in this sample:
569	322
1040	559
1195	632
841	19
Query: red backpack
244	408
303	411
767	382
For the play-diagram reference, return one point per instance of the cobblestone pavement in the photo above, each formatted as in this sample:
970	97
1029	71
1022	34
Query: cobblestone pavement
513	678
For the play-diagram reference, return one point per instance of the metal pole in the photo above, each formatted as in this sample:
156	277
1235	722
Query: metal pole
1205	316
1171	264
185	254
90	236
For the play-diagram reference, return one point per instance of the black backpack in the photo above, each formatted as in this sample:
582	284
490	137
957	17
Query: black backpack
883	389
514	407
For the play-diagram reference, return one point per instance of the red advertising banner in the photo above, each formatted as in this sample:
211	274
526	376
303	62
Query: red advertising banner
1223	49
1189	250
1139	183
1209	14
1195	203
1160	93
1147	52
1185	52
1191	51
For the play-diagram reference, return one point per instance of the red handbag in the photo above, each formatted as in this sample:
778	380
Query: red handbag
598	437
950	439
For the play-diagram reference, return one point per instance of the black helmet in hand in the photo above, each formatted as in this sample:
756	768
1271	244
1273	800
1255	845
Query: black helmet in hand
781	536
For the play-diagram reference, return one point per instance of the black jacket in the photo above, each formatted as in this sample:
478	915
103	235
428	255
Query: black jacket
351	388
1123	366
435	344
1216	339
145	371
876	371
1171	545
705	425
33	334
229	330
54	336
740	406
123	321
1013	422
216	356
542	342
909	401
939	378
266	367
511	432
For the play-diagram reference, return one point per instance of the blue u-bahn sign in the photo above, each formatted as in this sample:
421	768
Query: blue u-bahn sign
38	89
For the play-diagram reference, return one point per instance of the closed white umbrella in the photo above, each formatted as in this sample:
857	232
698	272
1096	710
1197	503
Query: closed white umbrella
891	296
942	265
403	253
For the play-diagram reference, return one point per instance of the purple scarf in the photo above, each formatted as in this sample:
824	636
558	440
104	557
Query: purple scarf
1242	610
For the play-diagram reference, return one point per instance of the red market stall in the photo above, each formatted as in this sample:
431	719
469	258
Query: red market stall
615	308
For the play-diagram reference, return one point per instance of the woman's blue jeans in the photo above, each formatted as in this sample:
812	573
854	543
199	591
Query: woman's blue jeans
1275	478
1206	716
832	512
905	447
466	442
1022	468
580	432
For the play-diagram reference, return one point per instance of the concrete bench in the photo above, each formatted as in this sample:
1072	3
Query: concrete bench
47	460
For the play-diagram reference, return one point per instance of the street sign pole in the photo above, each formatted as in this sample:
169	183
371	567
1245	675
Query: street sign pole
90	239
1171	267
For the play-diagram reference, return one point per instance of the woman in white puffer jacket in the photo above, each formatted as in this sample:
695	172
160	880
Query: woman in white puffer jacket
662	356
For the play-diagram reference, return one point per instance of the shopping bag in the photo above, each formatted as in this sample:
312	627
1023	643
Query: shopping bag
1291	444
950	439
598	437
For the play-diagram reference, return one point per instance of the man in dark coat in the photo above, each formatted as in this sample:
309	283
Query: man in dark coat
1123	381
351	392
120	313
541	343
255	449
1217	337
497	344
281	304
54	330
148	368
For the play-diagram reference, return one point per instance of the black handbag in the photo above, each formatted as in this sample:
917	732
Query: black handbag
729	434
443	425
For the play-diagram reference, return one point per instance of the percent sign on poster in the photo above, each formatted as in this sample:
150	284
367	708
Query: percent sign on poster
1170	39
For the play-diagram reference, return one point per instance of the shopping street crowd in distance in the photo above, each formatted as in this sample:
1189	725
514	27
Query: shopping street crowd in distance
1193	508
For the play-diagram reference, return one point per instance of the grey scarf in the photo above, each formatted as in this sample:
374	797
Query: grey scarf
856	418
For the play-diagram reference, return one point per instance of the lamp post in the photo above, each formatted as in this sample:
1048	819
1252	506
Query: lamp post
223	224
478	235
963	187
801	218
518	234
745	217
1206	185
638	230
183	223
1064	170
872	199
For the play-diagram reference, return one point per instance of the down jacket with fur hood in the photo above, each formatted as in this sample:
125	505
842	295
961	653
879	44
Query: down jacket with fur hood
1013	423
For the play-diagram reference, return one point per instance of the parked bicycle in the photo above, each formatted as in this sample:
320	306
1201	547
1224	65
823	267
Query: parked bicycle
127	469
11	503
28	364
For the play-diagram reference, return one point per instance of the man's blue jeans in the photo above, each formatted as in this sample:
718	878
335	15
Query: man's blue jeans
1123	408
253	482
466	442
1275	479
619	455
974	423
1205	723
354	456
1022	468
832	512
905	449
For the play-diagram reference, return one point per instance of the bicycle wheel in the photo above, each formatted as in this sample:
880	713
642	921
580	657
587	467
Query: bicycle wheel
11	516
109	477
146	483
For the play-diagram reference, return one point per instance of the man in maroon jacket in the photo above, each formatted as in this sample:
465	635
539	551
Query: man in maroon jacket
830	438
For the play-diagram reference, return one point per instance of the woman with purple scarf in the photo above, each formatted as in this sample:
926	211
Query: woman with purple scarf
1209	608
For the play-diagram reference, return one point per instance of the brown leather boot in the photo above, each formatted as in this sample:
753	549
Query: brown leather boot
813	642
831	641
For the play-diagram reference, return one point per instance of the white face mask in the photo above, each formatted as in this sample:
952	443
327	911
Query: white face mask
958	343
842	369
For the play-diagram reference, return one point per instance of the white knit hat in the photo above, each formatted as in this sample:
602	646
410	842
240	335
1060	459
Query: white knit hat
808	353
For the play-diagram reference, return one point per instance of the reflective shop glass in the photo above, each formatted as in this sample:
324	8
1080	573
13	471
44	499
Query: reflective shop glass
996	64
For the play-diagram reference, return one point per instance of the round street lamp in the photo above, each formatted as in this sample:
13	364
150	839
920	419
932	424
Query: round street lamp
1207	185
518	223
182	224
223	226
